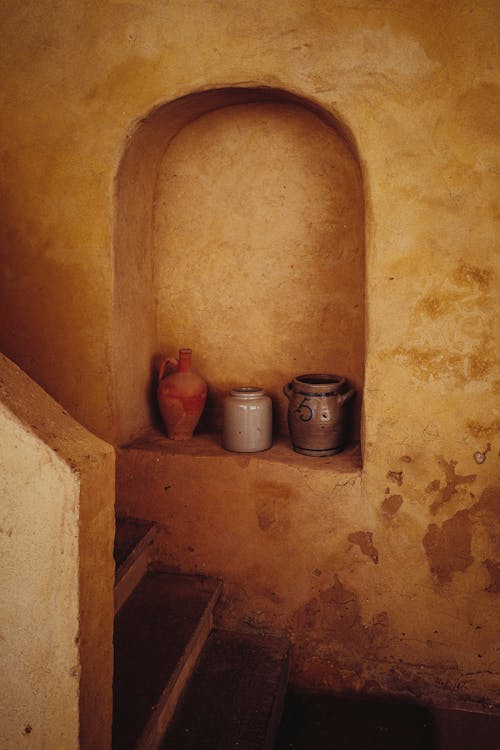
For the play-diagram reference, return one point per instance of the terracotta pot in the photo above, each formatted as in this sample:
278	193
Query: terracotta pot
181	396
315	413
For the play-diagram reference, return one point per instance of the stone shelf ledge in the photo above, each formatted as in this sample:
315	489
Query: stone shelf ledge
210	445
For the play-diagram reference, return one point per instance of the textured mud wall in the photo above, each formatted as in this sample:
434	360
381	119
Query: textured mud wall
56	526
417	85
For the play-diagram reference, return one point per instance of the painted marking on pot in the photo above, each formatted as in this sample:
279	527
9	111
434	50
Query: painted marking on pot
320	450
318	395
309	413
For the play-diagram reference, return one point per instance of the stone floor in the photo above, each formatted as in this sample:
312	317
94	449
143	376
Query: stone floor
314	721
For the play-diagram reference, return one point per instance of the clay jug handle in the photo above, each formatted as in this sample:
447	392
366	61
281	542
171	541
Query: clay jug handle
167	365
345	397
288	390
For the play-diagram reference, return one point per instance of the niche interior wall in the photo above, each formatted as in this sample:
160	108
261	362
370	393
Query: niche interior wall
239	233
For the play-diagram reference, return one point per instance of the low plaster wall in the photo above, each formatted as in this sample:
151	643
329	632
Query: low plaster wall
56	531
303	553
39	658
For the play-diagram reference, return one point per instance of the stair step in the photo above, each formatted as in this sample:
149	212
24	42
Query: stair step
132	552
235	696
159	634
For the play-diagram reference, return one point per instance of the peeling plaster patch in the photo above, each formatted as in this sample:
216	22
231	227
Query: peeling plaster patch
466	275
385	53
487	512
273	507
433	486
448	547
437	364
364	540
435	304
493	569
333	623
480	457
489	502
479	365
478	430
392	504
469	353
452	481
396	476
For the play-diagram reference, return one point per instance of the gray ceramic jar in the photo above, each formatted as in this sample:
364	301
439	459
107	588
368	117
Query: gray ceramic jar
247	420
316	415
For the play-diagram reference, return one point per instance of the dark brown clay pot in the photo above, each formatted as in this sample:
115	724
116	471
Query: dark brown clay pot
181	396
315	413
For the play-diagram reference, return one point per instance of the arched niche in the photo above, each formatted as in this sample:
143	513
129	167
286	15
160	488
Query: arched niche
239	233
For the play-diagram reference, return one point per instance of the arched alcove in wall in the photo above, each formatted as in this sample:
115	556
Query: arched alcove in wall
239	233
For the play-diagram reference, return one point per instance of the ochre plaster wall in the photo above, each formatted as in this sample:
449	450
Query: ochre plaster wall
56	530
417	86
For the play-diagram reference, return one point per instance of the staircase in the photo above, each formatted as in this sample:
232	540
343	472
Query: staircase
180	684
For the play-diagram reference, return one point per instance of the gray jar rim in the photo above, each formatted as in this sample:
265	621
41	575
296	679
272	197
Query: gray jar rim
247	391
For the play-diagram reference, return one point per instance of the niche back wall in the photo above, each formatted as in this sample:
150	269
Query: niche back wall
258	252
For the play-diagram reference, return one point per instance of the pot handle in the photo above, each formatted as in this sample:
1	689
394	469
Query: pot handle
167	365
288	390
345	397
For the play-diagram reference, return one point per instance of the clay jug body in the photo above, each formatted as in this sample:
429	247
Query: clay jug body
182	395
316	415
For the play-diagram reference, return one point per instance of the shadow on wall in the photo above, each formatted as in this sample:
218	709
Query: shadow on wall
42	330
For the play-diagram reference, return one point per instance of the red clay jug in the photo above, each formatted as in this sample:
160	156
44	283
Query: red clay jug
181	396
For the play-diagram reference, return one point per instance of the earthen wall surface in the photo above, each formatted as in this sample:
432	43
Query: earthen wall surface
416	84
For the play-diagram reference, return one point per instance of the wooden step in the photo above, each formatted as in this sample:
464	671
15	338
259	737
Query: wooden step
159	634
235	696
132	551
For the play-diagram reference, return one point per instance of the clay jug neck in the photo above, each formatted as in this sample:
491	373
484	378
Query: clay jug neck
184	360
